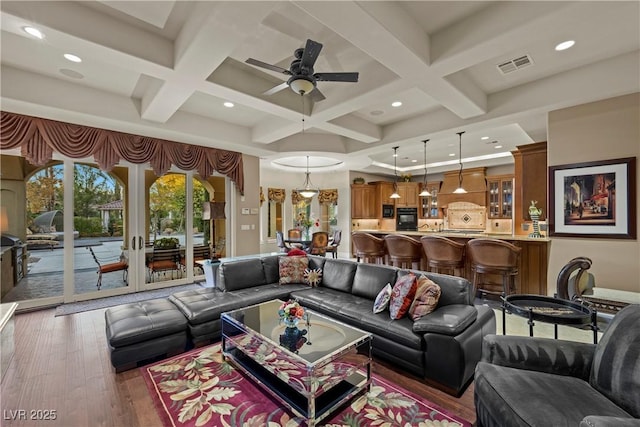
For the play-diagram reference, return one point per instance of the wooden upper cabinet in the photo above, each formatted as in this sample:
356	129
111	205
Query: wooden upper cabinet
530	167
429	204
500	196
384	189
363	197
408	192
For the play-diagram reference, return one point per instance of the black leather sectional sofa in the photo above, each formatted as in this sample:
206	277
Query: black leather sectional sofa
442	347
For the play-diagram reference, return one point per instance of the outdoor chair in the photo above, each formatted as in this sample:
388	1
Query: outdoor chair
163	260
108	265
200	253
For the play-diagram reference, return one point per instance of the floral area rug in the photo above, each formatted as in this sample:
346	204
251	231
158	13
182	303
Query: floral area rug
199	388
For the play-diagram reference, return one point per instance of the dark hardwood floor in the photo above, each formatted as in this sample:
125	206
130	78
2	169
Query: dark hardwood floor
62	364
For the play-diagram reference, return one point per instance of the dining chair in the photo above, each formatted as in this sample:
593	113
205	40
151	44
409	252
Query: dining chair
319	242
282	245
334	243
296	234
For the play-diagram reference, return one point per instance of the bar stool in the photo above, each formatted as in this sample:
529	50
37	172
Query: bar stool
368	247
443	255
403	251
492	256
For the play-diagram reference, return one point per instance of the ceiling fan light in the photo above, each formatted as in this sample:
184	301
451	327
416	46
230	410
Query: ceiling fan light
301	86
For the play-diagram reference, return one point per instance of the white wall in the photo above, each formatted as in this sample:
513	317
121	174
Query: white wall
608	129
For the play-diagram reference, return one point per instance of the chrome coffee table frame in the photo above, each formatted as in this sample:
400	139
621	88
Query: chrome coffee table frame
330	364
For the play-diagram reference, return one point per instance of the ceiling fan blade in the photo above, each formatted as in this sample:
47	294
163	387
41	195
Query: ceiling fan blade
275	89
316	95
268	66
337	77
310	54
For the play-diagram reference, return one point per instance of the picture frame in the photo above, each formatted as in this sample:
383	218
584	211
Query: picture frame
593	199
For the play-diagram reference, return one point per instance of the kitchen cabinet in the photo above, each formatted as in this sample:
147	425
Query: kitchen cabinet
384	189
429	204
363	197
408	192
500	196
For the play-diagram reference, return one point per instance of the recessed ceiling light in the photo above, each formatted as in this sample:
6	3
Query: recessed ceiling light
71	57
484	138
34	32
376	112
414	161
228	104
497	146
565	45
452	154
396	104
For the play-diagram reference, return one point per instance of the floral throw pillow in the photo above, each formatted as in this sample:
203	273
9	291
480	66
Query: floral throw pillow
402	296
312	277
426	299
292	269
382	300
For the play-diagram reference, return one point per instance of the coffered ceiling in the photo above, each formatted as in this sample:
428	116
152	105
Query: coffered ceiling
166	68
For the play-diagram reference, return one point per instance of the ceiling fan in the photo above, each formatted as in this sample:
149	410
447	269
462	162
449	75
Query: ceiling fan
303	80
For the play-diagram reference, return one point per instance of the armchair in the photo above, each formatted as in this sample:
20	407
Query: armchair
524	381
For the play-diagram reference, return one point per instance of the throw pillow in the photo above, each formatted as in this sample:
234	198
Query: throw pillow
382	300
426	299
292	269
312	277
296	252
402	296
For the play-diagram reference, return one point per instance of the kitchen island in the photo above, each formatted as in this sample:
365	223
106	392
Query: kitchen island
534	258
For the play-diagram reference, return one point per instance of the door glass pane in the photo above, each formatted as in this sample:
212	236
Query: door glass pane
99	213
274	218
167	207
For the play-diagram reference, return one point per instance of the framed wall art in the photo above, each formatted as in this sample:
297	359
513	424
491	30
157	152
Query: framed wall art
593	199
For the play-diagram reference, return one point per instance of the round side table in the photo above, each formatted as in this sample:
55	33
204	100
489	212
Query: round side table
549	310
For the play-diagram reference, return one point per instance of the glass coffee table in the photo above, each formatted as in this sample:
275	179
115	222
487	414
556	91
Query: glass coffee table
312	369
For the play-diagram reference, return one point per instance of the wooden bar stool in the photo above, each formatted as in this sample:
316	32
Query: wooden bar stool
492	256
368	247
444	255
403	251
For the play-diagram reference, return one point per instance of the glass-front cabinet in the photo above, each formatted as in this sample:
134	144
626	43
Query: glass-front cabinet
429	204
500	196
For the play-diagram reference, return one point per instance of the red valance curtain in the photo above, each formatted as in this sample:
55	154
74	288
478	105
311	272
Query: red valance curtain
38	138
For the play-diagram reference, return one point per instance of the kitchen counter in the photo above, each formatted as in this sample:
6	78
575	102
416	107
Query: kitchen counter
462	234
534	258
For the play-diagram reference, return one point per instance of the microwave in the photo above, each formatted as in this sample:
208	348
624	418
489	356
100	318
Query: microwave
388	211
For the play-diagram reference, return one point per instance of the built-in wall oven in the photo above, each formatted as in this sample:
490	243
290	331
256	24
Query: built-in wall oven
407	219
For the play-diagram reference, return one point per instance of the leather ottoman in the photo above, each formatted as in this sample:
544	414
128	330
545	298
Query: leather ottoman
145	330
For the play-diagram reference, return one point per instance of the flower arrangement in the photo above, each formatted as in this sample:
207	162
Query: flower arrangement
302	221
291	311
406	177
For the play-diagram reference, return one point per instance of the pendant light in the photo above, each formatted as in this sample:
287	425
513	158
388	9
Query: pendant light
308	191
425	191
395	194
460	190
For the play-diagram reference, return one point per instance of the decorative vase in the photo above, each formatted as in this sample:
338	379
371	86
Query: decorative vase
290	322
306	234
